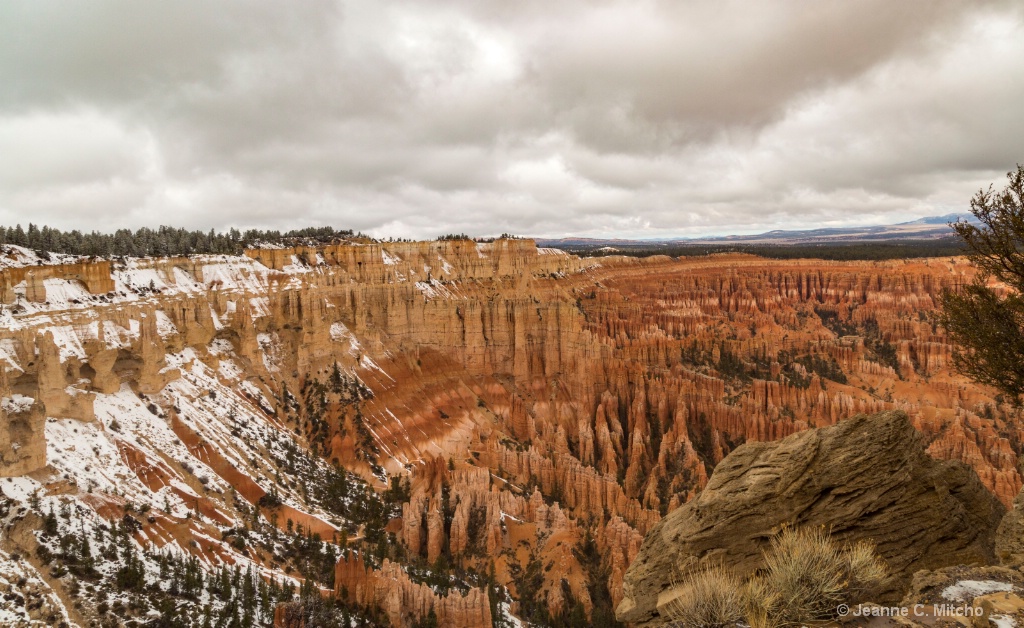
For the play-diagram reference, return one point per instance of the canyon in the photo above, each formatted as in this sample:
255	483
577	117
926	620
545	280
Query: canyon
525	416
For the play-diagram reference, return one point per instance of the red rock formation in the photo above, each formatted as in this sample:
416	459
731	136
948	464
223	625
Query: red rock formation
404	601
612	390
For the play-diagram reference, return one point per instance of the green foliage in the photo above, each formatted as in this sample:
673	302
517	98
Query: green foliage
984	321
881	350
597	571
987	330
428	621
270	500
731	367
830	319
823	366
163	241
529	580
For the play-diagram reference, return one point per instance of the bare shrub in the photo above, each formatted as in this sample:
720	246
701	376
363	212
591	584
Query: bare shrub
760	604
807	575
867	571
810	574
708	597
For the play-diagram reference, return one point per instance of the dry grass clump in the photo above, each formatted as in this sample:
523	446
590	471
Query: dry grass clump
805	569
709	597
867	570
760	604
806	577
811	574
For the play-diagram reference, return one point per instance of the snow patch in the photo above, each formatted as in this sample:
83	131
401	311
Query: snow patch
967	590
16	404
341	333
67	341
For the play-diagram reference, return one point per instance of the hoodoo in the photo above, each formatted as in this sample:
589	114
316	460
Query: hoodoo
490	427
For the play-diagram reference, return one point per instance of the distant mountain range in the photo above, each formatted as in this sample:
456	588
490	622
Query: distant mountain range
927	228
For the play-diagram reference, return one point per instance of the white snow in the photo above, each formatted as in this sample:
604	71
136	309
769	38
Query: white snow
550	251
62	293
967	590
8	354
341	333
18	577
270	346
505	609
16	404
13	256
20	488
164	325
67	341
433	289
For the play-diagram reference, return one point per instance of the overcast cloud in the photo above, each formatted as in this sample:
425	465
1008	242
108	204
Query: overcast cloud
602	118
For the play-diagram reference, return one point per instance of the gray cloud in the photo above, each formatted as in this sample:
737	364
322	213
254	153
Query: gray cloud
614	118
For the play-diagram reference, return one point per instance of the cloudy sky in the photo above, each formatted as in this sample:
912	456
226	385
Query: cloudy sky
627	118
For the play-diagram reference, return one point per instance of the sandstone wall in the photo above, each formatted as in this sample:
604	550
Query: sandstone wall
95	275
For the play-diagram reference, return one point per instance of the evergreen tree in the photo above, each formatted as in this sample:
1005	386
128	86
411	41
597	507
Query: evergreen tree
986	322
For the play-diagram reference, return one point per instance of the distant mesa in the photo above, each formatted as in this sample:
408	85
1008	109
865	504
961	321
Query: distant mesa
927	228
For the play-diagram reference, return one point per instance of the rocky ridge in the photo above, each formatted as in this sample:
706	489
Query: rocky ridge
867	478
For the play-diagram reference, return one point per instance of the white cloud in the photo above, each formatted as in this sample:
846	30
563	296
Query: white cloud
616	118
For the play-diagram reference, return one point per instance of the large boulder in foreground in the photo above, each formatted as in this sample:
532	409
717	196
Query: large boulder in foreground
1010	535
867	477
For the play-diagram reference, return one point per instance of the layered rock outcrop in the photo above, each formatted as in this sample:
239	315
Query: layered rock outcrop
1010	535
865	478
95	275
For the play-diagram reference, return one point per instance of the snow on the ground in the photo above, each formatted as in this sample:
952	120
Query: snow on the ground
16	404
341	333
8	354
967	590
434	289
89	457
225	410
550	251
505	610
13	256
164	325
60	293
67	340
20	584
270	346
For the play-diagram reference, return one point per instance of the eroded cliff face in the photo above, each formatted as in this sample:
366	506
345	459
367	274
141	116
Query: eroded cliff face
547	411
